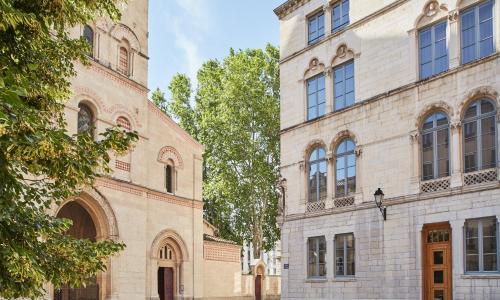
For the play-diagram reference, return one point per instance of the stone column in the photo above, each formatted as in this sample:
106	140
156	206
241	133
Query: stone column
328	19
455	152
330	182
454	39
412	59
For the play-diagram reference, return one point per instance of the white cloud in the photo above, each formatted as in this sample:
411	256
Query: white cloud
190	24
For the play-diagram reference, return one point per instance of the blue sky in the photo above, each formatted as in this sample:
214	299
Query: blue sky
185	33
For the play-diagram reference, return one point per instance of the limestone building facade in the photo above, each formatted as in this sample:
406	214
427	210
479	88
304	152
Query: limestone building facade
400	95
152	201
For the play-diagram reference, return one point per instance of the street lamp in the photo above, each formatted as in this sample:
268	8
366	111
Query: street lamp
379	199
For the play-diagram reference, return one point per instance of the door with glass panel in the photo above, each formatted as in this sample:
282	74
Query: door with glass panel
436	260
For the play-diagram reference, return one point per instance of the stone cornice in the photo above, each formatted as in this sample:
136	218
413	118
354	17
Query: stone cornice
388	202
288	7
142	191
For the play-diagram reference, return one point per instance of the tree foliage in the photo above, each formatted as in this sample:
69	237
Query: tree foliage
41	164
236	117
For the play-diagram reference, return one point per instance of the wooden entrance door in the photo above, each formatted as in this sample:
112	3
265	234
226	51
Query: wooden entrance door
437	276
166	283
258	283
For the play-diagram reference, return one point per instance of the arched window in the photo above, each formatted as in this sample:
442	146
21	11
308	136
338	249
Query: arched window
166	253
345	166
88	34
479	131
85	119
123	122
435	147
123	61
169	178
317	175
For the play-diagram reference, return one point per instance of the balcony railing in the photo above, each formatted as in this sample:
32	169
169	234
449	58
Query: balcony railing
325	204
435	185
482	176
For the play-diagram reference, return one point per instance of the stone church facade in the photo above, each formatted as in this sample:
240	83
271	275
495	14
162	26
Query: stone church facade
401	96
152	201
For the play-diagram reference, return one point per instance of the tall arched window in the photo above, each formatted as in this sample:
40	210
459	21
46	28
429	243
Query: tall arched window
435	147
345	165
88	34
479	131
85	119
169	178
123	66
317	175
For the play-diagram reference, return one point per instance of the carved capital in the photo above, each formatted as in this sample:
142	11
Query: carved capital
453	16
329	156
358	150
328	72
414	136
455	125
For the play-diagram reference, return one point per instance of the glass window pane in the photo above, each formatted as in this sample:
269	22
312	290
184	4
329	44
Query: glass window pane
438	257
486	11
438	276
486	107
490	262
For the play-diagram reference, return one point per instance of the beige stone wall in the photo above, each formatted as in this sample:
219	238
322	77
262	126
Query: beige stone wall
391	104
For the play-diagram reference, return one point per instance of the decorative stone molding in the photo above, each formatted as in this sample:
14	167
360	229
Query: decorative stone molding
311	146
173	238
431	108
343	53
86	93
340	136
121	32
169	153
475	94
314	68
288	7
100	210
431	11
301	165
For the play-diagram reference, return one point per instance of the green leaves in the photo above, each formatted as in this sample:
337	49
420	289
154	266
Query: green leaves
236	117
40	163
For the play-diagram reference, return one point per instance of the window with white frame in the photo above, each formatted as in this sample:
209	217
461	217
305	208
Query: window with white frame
479	131
316	97
343	76
344	255
316	27
433	50
481	244
435	147
477	32
345	166
340	15
316	256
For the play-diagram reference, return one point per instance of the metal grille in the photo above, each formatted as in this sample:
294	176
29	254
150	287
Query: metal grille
344	201
436	185
482	176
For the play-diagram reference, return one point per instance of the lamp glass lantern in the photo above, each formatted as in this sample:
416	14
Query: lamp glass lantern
379	200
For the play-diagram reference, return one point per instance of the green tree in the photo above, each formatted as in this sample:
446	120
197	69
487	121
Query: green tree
158	98
41	164
236	117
